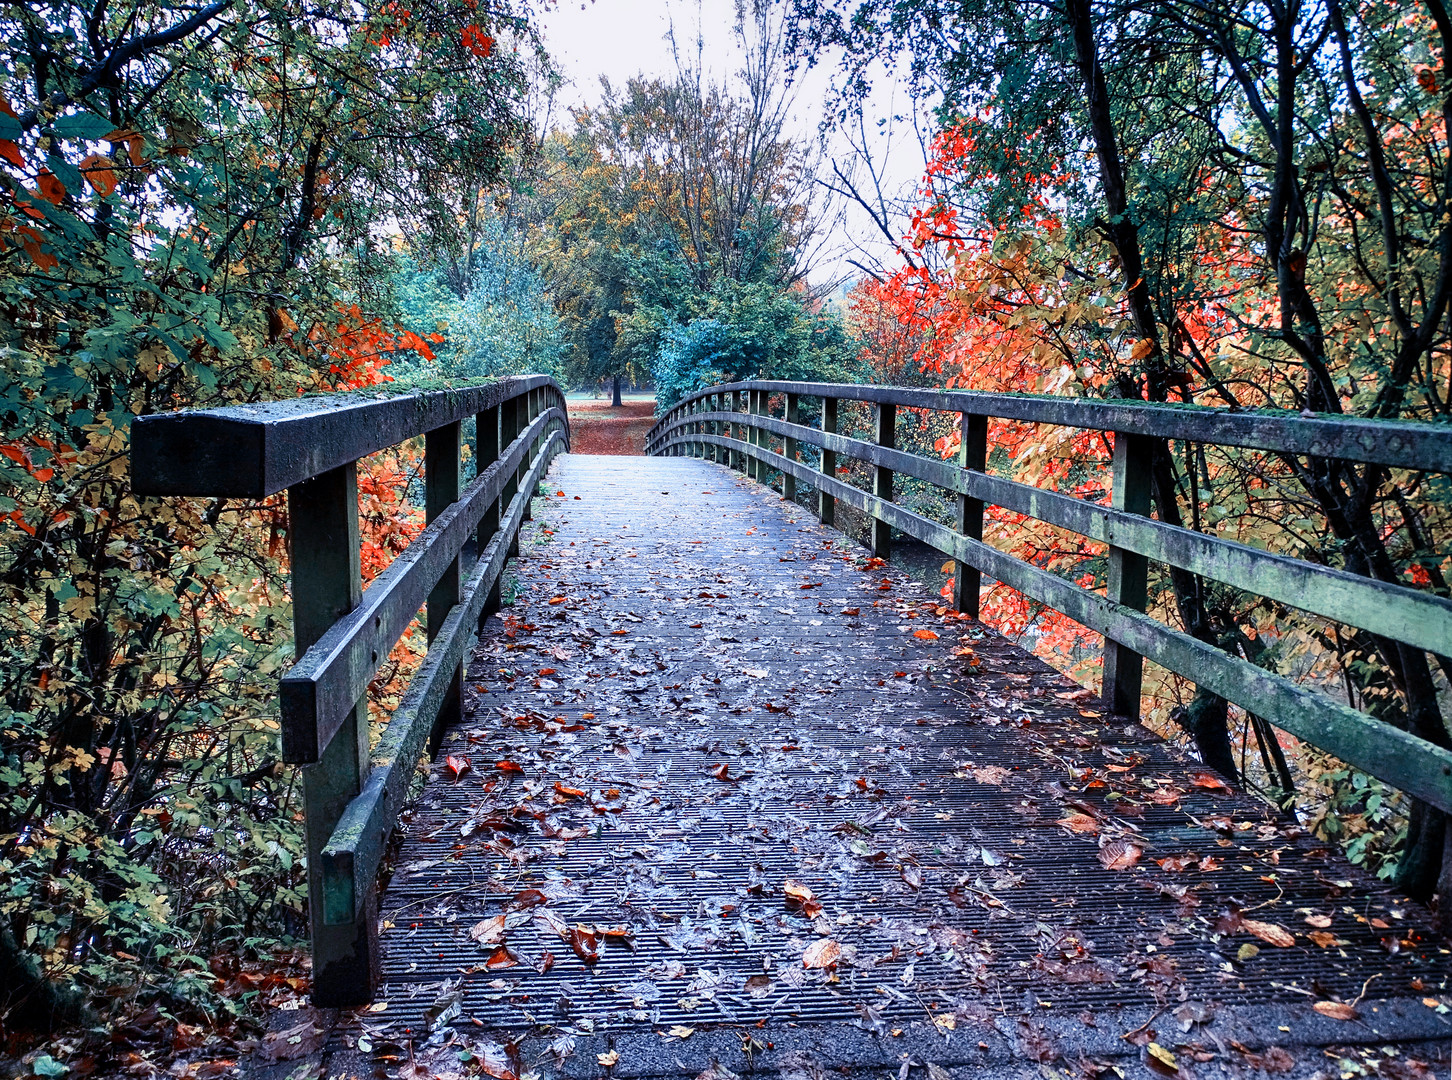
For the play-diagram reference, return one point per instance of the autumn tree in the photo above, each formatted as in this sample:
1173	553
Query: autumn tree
189	206
1235	205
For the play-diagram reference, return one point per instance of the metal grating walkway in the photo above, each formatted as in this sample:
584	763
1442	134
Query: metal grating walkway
700	694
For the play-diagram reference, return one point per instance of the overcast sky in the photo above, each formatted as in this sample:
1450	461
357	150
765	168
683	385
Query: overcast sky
622	38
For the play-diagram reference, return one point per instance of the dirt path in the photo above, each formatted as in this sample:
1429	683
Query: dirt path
599	428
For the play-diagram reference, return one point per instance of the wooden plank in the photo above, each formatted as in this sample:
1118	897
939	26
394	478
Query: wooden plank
252	451
1416	766
1401	444
326	585
350	859
1128	584
1395	611
320	691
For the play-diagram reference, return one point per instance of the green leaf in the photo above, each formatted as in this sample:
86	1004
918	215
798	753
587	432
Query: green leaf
82	125
45	1065
9	127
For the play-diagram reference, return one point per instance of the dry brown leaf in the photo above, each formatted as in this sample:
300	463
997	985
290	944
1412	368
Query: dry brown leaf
488	931
1320	922
990	774
1079	823
913	876
1323	938
585	943
1270	933
821	954
501	958
1119	855
1336	1010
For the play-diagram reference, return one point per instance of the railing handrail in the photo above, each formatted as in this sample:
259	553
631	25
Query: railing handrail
253	451
1392	610
310	447
1407	444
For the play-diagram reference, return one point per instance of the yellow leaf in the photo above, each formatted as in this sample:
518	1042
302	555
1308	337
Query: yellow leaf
1142	348
949	567
1163	1056
1270	933
680	1032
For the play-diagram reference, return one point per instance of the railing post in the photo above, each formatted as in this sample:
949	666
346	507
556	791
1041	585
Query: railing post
486	453
441	490
789	451
715	427
509	429
530	406
737	458
827	504
751	433
882	478
327	583
972	454
1128	572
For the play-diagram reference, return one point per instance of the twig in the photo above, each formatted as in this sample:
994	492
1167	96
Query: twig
1153	1017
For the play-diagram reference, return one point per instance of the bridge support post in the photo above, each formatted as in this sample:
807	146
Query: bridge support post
737	457
486	453
827	504
327	583
882	479
789	451
509	429
972	454
530	406
441	490
753	433
1128	572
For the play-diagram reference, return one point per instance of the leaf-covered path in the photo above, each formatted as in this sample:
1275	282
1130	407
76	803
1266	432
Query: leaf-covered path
727	791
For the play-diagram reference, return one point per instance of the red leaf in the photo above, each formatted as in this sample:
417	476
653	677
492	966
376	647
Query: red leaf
508	766
457	766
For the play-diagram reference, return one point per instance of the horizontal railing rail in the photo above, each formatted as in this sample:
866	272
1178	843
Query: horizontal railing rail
310	448
730	423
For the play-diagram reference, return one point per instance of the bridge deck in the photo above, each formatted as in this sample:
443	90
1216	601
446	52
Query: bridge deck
701	693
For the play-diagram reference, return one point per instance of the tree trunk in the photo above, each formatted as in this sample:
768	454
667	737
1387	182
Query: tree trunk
615	391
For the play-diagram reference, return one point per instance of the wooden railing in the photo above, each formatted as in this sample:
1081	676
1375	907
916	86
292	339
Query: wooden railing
731	424
310	448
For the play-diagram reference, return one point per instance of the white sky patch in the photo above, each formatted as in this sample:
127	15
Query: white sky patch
620	39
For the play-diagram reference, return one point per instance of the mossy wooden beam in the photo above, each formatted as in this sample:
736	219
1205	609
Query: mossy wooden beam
252	451
1401	444
352	855
318	692
1403	614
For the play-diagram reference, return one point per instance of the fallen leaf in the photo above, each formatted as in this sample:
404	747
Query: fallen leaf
1336	1010
1208	781
755	672
557	600
821	954
457	766
294	1042
1119	855
501	958
585	943
678	1031
607	1060
569	792
800	898
1320	922
509	766
1079	823
991	774
1323	938
926	635
722	772
913	876
1163	1056
488	931
1247	952
1270	933
527	899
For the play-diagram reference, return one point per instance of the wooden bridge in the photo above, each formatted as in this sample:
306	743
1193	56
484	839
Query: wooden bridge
718	791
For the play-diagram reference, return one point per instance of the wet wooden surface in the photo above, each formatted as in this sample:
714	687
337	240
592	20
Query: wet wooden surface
728	791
